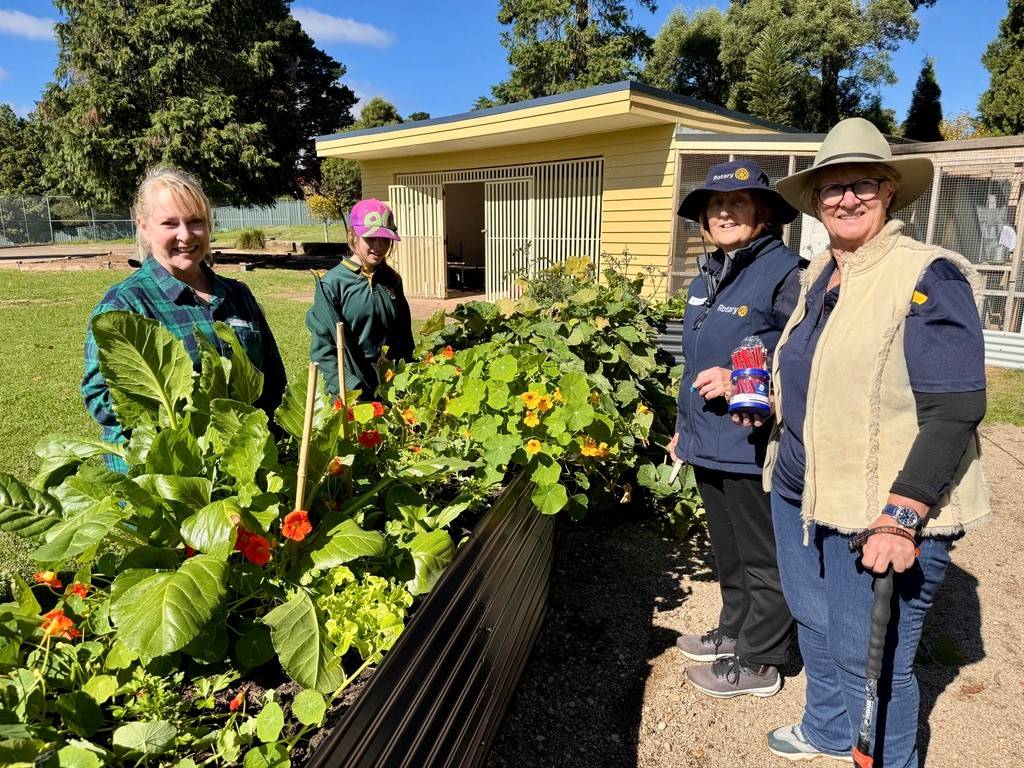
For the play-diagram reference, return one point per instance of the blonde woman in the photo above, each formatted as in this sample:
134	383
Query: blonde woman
176	286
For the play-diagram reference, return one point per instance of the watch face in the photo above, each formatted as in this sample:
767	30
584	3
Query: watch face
905	516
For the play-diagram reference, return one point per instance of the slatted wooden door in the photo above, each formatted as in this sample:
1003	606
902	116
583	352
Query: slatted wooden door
508	239
419	257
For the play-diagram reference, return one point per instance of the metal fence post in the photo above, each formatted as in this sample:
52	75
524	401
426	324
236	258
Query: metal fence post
933	205
49	216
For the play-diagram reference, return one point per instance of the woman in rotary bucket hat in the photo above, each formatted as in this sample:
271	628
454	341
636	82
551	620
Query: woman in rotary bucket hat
366	294
747	285
879	387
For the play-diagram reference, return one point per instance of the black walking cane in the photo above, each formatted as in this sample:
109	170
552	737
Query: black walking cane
862	757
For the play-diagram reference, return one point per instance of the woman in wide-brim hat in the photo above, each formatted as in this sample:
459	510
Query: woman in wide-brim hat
747	285
879	387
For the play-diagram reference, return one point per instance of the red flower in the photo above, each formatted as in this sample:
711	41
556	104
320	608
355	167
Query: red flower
295	525
448	352
254	548
80	589
189	552
415	448
49	578
350	415
55	623
335	467
369	438
338	405
237	702
378	409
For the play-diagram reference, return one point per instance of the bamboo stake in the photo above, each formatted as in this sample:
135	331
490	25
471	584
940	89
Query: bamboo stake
307	428
339	332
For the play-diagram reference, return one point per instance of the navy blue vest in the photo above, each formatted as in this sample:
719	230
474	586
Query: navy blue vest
743	305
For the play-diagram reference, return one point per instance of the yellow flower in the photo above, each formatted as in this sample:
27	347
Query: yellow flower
409	416
594	398
531	419
467	434
389	374
643	409
530	399
533	446
601	323
544	404
592	448
557	397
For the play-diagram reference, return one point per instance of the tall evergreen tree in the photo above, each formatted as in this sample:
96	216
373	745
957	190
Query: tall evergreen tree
685	56
22	147
1001	108
556	46
772	76
925	114
232	90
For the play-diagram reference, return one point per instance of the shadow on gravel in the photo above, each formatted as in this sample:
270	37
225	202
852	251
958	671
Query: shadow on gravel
580	699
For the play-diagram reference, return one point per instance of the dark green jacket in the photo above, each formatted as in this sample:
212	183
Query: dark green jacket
375	313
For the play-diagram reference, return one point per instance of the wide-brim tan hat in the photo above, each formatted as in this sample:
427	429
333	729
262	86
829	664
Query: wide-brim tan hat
857	141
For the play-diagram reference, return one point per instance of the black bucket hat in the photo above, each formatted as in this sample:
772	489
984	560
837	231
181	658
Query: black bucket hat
733	177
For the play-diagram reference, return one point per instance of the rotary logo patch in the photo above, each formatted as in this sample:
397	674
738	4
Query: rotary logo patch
742	311
742	174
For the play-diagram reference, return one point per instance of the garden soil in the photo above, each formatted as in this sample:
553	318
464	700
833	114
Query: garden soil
605	687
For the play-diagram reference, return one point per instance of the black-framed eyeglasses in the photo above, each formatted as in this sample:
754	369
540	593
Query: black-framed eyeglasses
863	189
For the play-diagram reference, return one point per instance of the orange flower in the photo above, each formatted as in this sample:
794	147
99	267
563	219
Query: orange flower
531	419
254	548
237	702
56	624
295	525
49	578
458	371
350	415
544	404
335	467
448	352
378	409
369	438
80	589
338	405
409	416
593	448
594	398
467	434
530	399
533	446
415	448
428	358
389	374
557	396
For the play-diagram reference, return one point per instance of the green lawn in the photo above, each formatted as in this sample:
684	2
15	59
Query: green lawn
1005	397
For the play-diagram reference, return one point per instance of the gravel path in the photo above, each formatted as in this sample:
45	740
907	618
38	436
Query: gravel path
604	686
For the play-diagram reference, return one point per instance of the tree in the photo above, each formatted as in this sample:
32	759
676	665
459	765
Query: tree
685	57
22	145
1001	108
841	49
324	209
772	76
231	90
963	125
883	117
414	116
341	180
925	114
556	46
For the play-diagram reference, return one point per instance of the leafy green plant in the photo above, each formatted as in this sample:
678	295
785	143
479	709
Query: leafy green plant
250	239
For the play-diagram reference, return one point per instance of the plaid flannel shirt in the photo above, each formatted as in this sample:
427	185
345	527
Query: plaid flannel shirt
153	292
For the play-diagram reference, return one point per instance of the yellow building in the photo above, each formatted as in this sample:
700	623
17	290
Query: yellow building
483	195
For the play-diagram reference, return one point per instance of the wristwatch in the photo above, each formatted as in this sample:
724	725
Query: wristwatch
905	516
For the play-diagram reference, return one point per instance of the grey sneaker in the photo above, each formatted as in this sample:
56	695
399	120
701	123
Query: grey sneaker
732	676
710	646
789	742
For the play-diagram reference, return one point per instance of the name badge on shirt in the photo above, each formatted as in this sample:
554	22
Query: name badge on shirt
237	322
698	301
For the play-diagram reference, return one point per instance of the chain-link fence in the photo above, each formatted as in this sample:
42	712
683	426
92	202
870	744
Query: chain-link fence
34	220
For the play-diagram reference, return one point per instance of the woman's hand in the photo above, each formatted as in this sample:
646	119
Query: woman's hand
713	382
670	449
884	549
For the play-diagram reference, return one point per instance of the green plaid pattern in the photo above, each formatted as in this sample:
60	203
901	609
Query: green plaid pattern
153	292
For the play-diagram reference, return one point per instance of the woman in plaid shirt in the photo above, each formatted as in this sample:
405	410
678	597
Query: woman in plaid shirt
176	286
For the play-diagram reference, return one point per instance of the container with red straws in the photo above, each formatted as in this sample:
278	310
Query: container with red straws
750	378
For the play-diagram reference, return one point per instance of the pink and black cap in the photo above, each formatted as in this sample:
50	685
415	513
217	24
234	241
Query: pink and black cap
372	218
732	177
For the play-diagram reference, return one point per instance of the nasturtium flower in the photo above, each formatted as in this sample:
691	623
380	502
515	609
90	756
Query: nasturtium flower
56	624
409	416
458	371
49	578
378	409
557	396
254	548
448	352
642	409
80	589
428	358
415	448
533	446
594	449
389	374
237	702
370	438
544	404
601	323
530	399
338	405
467	434
594	398
335	467
531	419
295	525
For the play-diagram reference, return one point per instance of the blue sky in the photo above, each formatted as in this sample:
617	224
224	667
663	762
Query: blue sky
438	56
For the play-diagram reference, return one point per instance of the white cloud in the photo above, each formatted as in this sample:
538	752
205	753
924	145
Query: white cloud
23	25
325	28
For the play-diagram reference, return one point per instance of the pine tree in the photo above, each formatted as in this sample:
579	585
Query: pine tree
22	147
685	57
1001	108
925	114
231	90
772	76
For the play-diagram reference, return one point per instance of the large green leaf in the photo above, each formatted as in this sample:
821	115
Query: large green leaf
245	382
549	499
290	414
431	552
82	490
297	634
157	612
146	368
213	529
174	452
244	452
504	368
61	455
344	543
192	492
574	388
23	510
149	738
74	535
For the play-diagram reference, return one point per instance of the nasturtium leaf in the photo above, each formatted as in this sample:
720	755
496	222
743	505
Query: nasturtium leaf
80	713
626	392
147	370
547	471
504	368
344	543
71	756
584	296
574	388
74	535
433	324
245	381
578	417
149	737
20	752
298	637
120	656
213	528
61	455
581	334
100	687
163	611
431	552
309	707
549	499
500	448
269	722
267	756
23	510
255	647
628	333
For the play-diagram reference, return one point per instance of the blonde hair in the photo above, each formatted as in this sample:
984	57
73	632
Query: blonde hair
870	170
353	237
186	192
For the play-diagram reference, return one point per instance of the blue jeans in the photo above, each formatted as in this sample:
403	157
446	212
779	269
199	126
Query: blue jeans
830	596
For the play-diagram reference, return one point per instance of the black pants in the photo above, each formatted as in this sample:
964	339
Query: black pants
739	516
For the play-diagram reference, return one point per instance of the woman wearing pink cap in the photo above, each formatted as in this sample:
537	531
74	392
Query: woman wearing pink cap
366	294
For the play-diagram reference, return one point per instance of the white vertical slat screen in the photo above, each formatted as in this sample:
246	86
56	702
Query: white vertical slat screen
508	238
419	256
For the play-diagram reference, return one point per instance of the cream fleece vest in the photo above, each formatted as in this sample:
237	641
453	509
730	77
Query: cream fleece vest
861	416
